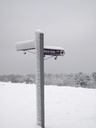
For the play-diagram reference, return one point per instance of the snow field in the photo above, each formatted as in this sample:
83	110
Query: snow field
65	107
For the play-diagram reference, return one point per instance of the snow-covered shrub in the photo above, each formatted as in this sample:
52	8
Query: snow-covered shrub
81	79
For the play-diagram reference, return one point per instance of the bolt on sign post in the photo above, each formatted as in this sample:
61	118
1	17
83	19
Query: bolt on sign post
39	42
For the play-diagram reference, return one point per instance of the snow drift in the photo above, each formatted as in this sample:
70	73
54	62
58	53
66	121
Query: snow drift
65	107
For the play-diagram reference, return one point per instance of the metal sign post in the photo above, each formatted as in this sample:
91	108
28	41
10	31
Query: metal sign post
41	51
39	42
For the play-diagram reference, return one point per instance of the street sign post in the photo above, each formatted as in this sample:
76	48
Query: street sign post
41	51
39	42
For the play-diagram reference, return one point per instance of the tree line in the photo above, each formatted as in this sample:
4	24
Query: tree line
77	79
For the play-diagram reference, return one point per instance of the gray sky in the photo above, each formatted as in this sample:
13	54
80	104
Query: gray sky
70	24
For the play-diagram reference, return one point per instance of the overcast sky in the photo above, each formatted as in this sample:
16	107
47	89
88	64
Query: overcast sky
70	24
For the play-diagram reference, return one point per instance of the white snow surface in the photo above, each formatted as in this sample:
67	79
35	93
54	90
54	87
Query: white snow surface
65	107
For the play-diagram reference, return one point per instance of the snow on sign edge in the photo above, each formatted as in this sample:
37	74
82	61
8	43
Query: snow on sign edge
53	47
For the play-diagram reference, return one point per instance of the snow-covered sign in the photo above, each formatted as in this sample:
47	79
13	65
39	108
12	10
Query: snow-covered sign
48	50
41	51
25	45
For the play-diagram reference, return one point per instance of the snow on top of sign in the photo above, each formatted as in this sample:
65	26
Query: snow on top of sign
30	44
26	41
40	31
25	45
53	47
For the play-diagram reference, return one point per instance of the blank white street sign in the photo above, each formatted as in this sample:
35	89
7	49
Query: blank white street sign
25	45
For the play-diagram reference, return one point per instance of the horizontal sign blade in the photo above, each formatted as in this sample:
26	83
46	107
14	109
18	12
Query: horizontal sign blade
54	52
48	50
25	45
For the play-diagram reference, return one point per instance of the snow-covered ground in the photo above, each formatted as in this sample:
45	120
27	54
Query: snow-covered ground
65	107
